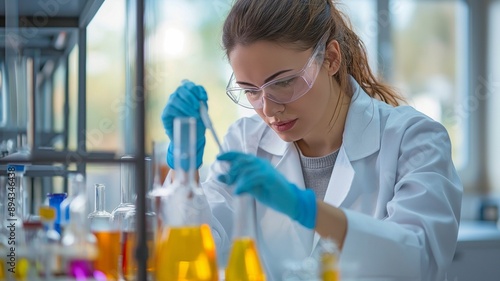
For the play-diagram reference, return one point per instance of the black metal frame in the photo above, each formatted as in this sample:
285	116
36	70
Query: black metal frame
41	160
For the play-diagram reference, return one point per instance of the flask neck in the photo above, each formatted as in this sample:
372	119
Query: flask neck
100	198
185	178
127	190
244	217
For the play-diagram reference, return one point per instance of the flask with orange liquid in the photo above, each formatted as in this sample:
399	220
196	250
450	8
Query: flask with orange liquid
244	263
186	250
107	234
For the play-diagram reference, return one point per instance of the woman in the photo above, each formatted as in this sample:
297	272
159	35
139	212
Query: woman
330	152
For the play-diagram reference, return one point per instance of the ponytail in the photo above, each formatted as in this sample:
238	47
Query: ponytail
355	61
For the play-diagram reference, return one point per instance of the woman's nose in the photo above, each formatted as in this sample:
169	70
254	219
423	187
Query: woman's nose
270	108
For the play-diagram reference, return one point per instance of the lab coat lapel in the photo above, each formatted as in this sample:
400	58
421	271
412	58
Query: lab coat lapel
361	138
339	185
274	225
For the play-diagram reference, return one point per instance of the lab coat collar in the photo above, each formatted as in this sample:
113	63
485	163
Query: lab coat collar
362	127
361	134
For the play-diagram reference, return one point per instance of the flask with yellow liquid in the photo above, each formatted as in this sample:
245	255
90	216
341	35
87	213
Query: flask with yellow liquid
185	250
329	270
244	263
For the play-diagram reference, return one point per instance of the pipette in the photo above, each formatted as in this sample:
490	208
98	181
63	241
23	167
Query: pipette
208	124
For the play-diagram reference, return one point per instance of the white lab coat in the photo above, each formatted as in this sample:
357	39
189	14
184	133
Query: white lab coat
394	179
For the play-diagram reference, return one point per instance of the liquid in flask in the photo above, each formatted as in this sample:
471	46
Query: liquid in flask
186	250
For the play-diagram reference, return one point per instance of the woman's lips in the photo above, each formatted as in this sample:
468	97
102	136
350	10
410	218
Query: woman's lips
284	126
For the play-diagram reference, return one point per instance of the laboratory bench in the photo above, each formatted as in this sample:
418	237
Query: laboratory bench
477	256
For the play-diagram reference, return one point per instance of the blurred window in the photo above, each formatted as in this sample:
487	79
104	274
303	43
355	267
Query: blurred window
493	96
430	63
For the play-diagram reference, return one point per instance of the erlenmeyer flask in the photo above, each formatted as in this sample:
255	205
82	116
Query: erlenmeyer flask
244	263
107	235
186	250
127	191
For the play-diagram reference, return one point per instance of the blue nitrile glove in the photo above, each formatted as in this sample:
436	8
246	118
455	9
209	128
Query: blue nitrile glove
256	176
185	102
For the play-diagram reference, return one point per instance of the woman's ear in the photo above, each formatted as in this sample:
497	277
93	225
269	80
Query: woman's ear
333	57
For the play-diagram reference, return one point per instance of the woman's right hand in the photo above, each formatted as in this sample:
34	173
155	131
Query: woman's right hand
185	102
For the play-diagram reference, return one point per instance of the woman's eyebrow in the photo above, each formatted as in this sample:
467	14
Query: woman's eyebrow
267	79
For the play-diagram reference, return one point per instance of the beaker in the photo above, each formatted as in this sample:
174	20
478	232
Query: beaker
186	250
244	263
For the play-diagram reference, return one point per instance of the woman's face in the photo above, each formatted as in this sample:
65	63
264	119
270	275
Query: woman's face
306	118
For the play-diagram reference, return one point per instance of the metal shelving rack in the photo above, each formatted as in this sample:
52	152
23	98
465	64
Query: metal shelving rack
37	32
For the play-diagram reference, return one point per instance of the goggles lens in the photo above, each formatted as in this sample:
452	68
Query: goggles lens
282	90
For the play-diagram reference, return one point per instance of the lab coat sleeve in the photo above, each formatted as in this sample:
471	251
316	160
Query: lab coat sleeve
417	239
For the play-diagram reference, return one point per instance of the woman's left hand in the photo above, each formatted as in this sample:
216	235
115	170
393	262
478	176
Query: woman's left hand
256	176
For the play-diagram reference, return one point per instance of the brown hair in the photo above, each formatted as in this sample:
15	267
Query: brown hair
302	23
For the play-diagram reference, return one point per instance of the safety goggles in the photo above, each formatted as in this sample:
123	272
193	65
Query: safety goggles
283	89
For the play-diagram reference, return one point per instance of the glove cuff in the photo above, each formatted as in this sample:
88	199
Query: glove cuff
170	155
306	208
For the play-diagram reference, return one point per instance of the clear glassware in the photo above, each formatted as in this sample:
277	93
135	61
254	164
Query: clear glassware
244	261
80	245
158	170
48	239
12	225
100	219
186	250
3	234
64	206
129	263
328	260
127	199
127	191
107	235
28	261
